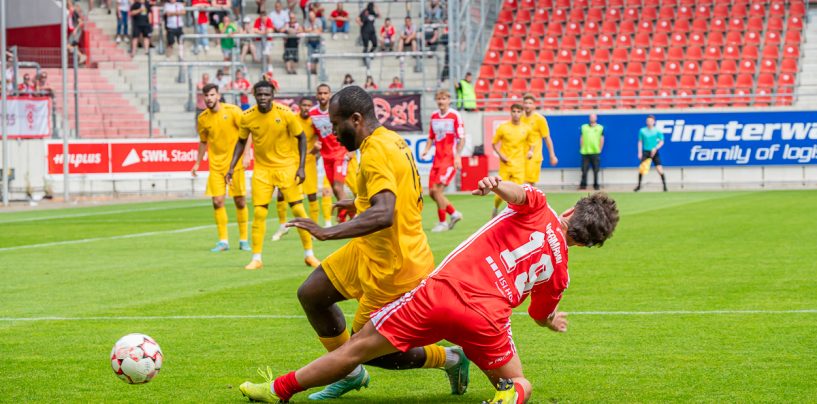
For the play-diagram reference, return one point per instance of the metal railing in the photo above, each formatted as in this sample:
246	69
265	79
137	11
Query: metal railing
367	57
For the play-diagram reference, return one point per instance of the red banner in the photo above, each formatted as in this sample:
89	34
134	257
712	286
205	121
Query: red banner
400	113
83	158
154	157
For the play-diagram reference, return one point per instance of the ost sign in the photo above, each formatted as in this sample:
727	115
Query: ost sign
126	157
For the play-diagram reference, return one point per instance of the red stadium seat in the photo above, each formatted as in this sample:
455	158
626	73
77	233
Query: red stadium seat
551	99
644	27
519	30
576	14
616	69
551	42
774	24
612	15
784	96
481	86
605	41
788	66
755	24
660	40
747	66
594	14
738	9
575	84
568	42
589	100
717	25
663	26
559	15
570	100
593	84
628	99
731	52
496	44
694	53
601	55
684	12
726	81
509	57
519	86
598	4
745	81
620	55
487	72
679	39
649	13
729	67
591	28
793	38
544	4
609	28
696	39
532	44
556	85
736	25
523	72
505	72
682	99
642	40
703	98
547	56
537	86
797	8
751	38
562	4
791	52
607	100
492	58
712	53
657	54
757	10
706	81
527	57
653	68
700	25
688	82
527	5
541	71
559	71
514	44
734	38
771	52
681	26
762	97
691	68
672	67
646	99
650	83
702	12
709	67
714	39
749	52
612	83
505	16
630	14
675	53
638	55
541	16
523	17
768	65
626	28
765	80
597	69
794	24
786	80
501	30
578	70
772	38
634	69
574	28
721	11
564	56
667	12
500	86
537	30
510	4
663	100
587	41
583	56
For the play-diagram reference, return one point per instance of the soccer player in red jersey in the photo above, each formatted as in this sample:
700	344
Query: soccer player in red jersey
469	298
335	156
446	134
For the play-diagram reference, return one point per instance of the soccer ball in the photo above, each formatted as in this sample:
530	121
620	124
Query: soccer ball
136	358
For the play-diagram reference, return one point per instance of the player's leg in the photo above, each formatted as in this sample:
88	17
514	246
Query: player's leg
262	190
294	197
281	207
310	188
596	163
660	169
220	214
339	186
585	166
454	215
326	204
511	384
642	169
238	189
314	208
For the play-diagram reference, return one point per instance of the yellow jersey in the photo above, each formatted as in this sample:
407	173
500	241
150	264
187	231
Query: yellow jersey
539	131
272	135
515	143
220	131
311	137
401	253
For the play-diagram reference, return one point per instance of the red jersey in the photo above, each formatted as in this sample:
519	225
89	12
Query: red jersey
202	18
521	252
445	131
330	147
242	85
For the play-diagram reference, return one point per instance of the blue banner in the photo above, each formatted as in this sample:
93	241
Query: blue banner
696	139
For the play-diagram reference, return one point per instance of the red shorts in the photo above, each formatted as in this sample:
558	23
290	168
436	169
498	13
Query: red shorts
433	312
441	174
335	169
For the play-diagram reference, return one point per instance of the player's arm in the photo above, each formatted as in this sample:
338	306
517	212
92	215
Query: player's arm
659	145
640	145
460	134
509	192
556	321
237	153
378	217
301	176
199	157
497	145
427	148
601	142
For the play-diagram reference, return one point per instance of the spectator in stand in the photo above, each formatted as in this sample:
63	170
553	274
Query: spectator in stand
263	25
396	84
366	21
340	22
76	25
122	20
280	18
106	3
202	44
304	8
248	45
242	85
466	96
217	17
27	86
140	25
200	105
347	81
370	84
435	11
591	144
228	46
237	8
268	76
408	38
260	5
174	22
313	44
318	9
387	33
41	84
155	19
291	44
432	35
222	81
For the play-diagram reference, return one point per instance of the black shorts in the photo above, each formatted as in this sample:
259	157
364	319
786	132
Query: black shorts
291	55
141	30
173	35
656	160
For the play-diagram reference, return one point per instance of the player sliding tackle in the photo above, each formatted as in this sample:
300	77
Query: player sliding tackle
387	256
470	297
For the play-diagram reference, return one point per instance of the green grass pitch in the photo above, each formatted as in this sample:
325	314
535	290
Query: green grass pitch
698	297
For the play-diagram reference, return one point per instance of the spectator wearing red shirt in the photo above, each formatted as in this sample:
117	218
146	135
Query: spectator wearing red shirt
268	77
27	86
201	25
396	84
387	33
76	25
242	85
340	22
263	25
370	84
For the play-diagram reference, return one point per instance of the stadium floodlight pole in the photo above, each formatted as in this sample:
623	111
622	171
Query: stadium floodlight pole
4	126
64	61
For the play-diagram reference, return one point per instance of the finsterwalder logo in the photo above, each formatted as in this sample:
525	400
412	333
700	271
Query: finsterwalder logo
131	159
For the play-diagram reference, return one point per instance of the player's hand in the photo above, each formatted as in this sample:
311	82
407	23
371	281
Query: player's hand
530	155
228	178
347	204
193	171
559	322
458	163
554	161
486	185
246	163
423	154
318	145
300	176
307	224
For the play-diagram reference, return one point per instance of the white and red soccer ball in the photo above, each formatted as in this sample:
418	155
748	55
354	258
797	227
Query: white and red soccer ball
136	358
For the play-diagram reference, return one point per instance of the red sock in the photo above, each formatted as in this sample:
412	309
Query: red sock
286	386
520	393
341	215
450	209
441	215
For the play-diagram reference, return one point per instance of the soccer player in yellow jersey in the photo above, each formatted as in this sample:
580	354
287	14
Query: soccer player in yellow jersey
310	185
539	131
218	132
513	145
278	164
388	254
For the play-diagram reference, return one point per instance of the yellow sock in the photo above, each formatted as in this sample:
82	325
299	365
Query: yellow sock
497	202
242	216
259	227
326	207
314	210
333	343
435	356
306	238
282	212
221	222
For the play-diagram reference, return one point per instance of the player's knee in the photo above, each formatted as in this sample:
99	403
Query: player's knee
298	202
218	203
312	197
240	202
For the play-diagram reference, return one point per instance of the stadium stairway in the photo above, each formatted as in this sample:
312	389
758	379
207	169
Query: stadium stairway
173	118
808	80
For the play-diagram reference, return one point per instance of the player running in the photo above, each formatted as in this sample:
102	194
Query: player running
470	297
310	185
388	254
447	135
335	157
218	133
539	130
514	147
278	164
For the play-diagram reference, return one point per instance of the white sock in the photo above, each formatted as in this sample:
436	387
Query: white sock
328	223
256	257
308	253
224	241
282	227
445	223
451	358
355	372
243	241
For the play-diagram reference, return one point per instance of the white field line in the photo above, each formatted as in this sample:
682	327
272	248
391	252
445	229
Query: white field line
286	317
124	236
107	212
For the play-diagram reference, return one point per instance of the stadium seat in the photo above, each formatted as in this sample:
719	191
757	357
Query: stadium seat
646	99
705	81
634	69
663	26
734	38
604	41
794	24
613	14
628	99
481	86
564	56
570	100
630	14
700	25
762	97
527	5
510	4
562	4
751	38
791	52
547	56
556	85
609	28
657	54
749	52
688	82
702	12
583	56
487	72
645	28
519	30
738	10
519	86
784	96
601	55
568	42
675	53
509	57
527	57
551	42
682	99
720	11
729	67
649	13
684	12
745	81
696	39
741	98
709	67
681	26
678	39
757	10
774	24
631	83
559	71
717	25
575	84
642	40
747	66
731	53
736	25
712	53
785	80
541	71
703	98
653	68
666	12
589	100
612	83
638	55
492	58
793	38
672	67
620	55
598	4
615	69
797	8
715	39
593	84
578	70
523	17
725	81
626	28
587	41
597	69
788	66
649	83
755	24
765	80
541	16
663	99
500	86
594	14
537	86
558	15
768	65
660	40
514	44
505	16
496	44
532	44
574	28
523	71
591	28
772	38
576	14
607	100
694	54
537	30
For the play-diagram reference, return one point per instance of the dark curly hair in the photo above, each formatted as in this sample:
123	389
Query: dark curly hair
594	219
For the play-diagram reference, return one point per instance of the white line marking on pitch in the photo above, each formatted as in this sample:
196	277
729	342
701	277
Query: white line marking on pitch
124	236
283	316
107	212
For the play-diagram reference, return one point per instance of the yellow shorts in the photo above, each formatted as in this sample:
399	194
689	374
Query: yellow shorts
532	170
351	175
351	272
216	186
512	174
265	180
310	184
